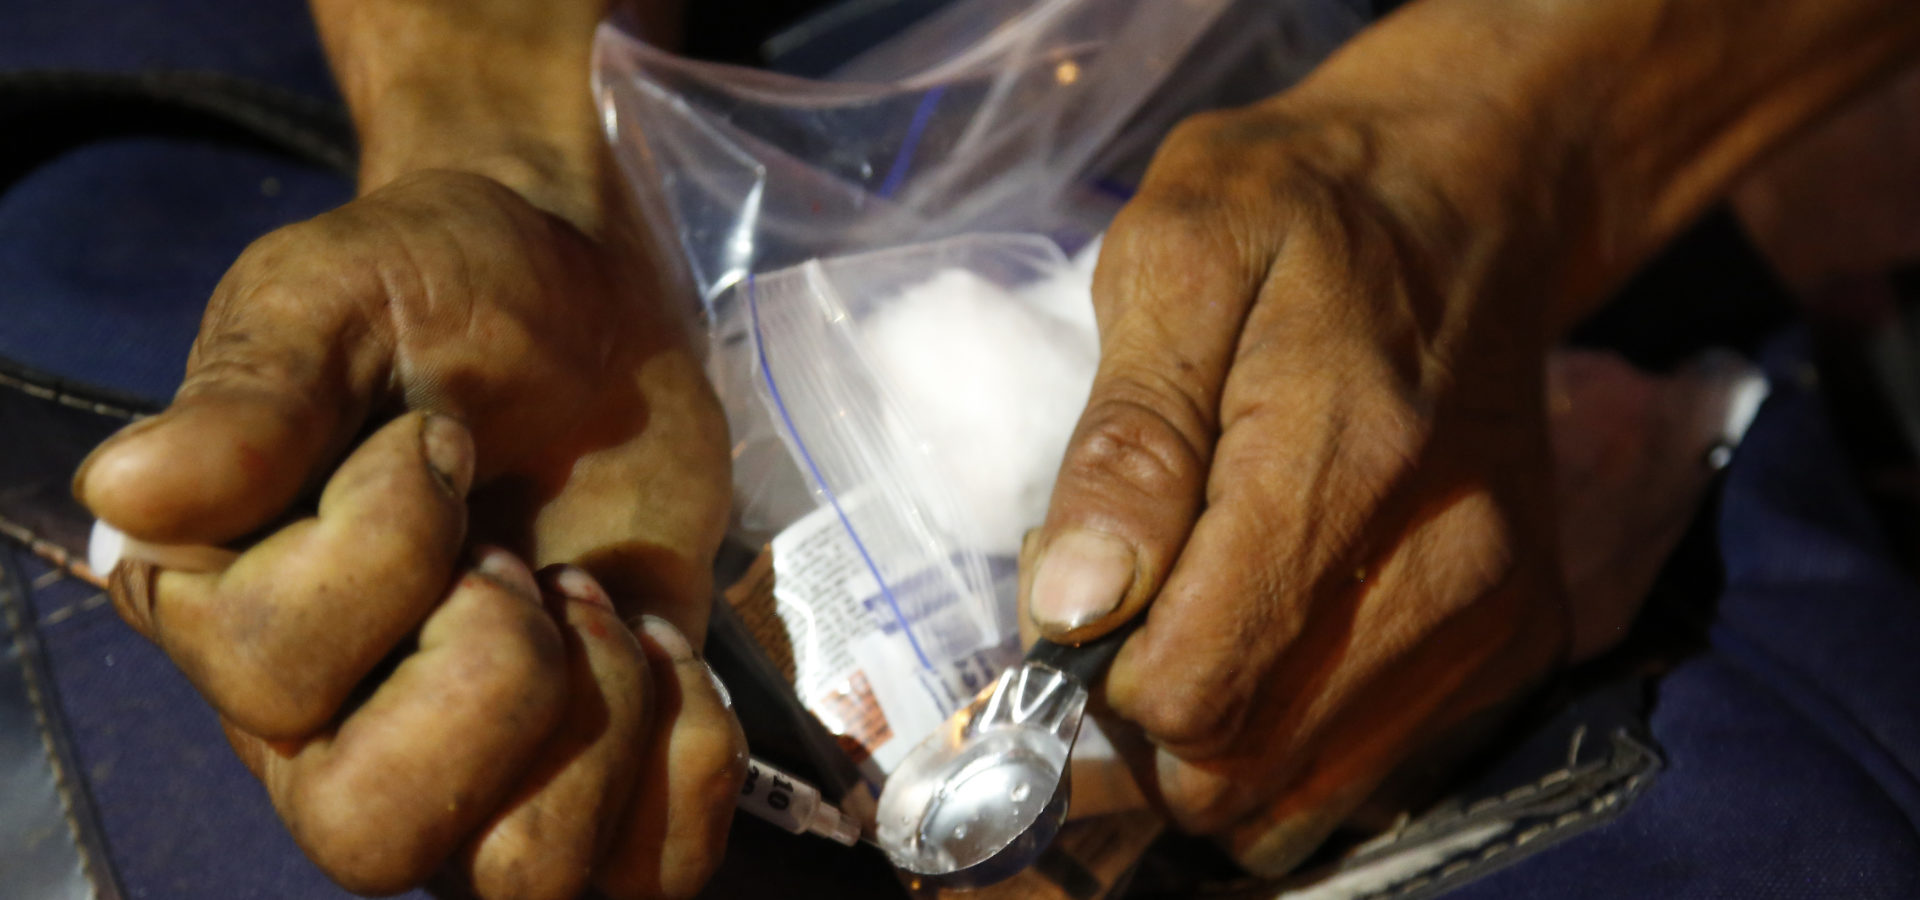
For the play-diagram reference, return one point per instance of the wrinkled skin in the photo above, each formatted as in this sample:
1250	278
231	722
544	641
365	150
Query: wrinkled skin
1315	457
1317	445
414	707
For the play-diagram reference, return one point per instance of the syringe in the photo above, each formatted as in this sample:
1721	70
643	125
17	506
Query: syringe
793	805
768	794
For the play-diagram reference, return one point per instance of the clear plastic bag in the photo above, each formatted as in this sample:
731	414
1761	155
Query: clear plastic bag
818	335
992	115
950	165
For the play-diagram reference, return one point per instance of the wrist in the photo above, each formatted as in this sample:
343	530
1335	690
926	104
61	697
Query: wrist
1472	189
561	168
1586	134
1696	94
499	89
1478	144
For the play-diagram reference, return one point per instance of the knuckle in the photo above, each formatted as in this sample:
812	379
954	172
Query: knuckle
1477	553
523	660
1168	229
1129	443
709	783
1202	806
269	686
273	714
688	873
679	876
1210	814
271	251
1495	558
536	648
234	359
1225	155
529	639
364	853
520	861
1181	240
1199	128
1278	840
718	784
1188	712
1196	141
1393	428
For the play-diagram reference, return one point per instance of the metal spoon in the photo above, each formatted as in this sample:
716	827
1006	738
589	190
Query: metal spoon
982	797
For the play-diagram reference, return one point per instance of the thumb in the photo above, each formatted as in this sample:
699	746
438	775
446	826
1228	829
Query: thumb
265	403
1133	481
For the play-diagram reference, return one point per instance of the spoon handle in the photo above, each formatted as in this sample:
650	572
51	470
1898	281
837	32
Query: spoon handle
1086	662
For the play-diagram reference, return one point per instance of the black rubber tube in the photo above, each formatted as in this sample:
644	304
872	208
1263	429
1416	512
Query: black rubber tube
1086	662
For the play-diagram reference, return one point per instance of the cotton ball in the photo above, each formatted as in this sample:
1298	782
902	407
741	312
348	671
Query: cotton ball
991	382
1067	295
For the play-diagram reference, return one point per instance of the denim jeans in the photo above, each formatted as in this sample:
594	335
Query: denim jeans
1775	754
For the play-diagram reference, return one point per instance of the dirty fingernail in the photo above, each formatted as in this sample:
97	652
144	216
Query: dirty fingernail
668	637
1082	577
575	584
448	447
1029	543
502	566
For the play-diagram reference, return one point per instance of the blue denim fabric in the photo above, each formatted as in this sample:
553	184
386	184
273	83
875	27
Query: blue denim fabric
107	255
1793	740
109	252
182	818
267	40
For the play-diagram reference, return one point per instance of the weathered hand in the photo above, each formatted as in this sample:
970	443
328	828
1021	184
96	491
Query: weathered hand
1316	440
1315	458
536	748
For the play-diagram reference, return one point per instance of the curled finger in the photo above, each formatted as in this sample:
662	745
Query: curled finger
550	835
676	832
384	799
280	638
1172	294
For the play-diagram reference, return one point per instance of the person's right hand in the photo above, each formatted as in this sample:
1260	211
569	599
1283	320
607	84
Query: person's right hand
437	353
1314	459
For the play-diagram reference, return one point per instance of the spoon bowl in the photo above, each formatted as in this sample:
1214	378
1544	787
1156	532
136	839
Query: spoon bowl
983	796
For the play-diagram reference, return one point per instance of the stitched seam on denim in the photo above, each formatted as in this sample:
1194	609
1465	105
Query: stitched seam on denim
1611	768
10	604
53	553
1636	762
1600	804
65	398
1550	779
95	601
60	614
1623	762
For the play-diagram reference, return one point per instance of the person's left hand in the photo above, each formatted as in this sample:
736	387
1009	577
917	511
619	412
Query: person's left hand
445	362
